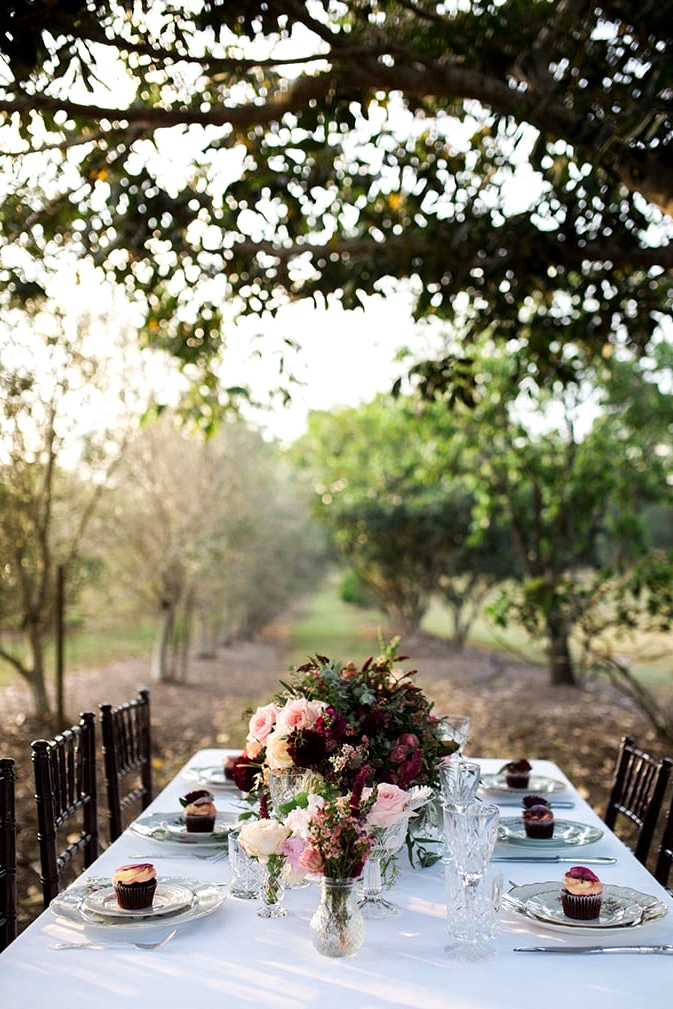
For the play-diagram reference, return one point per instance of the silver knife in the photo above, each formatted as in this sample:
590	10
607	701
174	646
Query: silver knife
593	949
596	860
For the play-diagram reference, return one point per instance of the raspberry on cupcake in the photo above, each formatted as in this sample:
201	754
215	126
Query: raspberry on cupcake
200	811
517	773
538	821
134	886
581	894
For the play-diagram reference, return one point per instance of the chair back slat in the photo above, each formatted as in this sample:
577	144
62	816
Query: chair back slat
662	869
127	758
8	895
66	788
637	792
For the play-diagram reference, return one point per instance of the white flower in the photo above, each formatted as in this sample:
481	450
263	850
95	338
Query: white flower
277	755
262	838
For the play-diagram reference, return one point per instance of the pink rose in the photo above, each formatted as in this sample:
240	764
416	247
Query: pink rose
311	860
262	722
298	713
392	805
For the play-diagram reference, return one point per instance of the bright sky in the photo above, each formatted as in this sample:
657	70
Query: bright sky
346	358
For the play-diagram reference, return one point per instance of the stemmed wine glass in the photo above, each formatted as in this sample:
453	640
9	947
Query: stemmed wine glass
459	780
471	832
455	728
387	840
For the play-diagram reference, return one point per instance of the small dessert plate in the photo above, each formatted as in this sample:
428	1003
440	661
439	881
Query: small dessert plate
622	907
567	834
169	898
537	783
74	904
171	827
213	777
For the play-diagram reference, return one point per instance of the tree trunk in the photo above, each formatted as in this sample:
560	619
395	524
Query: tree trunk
561	669
34	672
159	669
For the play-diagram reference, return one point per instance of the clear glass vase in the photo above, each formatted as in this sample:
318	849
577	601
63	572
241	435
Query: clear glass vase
272	887
337	927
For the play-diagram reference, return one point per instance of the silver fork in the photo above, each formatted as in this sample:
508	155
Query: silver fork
120	944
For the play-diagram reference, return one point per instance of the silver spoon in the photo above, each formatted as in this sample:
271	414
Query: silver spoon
121	944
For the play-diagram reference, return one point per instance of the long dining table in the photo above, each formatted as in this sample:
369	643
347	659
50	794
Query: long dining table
230	957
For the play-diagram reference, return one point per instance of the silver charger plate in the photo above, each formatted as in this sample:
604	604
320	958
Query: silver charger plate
622	907
169	898
536	783
171	827
72	904
567	834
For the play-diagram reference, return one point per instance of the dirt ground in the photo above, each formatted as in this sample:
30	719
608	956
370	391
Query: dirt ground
513	710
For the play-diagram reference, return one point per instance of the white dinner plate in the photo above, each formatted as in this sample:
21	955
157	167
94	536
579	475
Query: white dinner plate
537	783
209	777
621	907
171	827
169	898
567	834
74	904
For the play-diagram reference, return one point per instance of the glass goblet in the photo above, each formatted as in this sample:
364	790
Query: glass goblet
459	780
455	728
387	840
471	832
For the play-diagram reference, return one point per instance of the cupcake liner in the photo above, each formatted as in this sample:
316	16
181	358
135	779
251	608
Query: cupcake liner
199	824
135	896
583	907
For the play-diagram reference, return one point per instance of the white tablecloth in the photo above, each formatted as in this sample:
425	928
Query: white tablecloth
235	960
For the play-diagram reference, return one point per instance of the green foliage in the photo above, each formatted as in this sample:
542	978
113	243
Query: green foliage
510	163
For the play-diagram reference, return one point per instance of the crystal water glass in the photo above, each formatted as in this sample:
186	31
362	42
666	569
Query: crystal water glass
471	832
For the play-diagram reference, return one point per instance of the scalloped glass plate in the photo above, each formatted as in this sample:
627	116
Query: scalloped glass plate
210	777
169	898
171	827
70	904
567	834
622	907
536	783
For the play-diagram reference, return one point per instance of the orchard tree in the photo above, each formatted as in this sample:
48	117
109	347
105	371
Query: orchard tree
393	489
63	424
214	530
575	503
511	162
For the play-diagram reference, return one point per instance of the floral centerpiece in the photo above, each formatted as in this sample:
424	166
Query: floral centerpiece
336	719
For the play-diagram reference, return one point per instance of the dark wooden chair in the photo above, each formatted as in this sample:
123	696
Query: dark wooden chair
66	793
127	758
8	899
662	868
638	788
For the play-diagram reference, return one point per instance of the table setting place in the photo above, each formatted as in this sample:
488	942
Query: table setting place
384	874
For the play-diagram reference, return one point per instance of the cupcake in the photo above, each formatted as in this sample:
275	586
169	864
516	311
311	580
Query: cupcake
134	886
581	894
517	773
200	811
228	765
534	800
538	821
